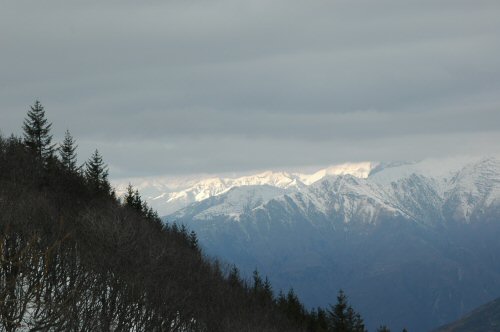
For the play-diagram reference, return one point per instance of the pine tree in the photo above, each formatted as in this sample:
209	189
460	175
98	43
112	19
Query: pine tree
322	320
294	308
129	196
193	240
67	152
343	318
96	173
234	278
37	133
258	285
268	290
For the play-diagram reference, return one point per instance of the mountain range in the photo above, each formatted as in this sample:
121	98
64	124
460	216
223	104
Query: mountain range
168	195
413	244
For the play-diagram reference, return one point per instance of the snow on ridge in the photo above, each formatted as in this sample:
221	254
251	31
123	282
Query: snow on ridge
359	170
431	167
167	194
242	199
368	179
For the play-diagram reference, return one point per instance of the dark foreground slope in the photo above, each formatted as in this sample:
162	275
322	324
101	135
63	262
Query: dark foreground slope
486	318
74	258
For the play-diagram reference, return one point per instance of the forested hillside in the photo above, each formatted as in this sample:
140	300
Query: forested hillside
74	257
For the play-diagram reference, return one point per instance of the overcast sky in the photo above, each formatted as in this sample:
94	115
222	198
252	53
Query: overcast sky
181	87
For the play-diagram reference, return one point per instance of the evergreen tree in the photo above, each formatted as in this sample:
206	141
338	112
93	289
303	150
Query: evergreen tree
129	196
234	277
322	320
37	133
96	173
294	308
342	317
383	328
67	152
267	291
193	240
258	285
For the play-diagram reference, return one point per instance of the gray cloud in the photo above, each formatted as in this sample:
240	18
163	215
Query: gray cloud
195	86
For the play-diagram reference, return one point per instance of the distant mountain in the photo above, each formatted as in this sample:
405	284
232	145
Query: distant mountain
414	244
486	318
168	195
464	195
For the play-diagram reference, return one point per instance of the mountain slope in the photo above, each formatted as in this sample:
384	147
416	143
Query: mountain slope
486	318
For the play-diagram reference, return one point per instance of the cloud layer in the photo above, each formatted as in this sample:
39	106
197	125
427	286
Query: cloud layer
179	87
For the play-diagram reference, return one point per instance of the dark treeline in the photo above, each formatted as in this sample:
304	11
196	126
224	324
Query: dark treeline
74	257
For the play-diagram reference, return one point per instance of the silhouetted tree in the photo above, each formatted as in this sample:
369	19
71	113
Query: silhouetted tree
37	135
67	152
342	317
193	240
96	173
234	276
257	281
134	200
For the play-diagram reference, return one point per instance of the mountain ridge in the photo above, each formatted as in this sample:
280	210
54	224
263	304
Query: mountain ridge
415	196
168	195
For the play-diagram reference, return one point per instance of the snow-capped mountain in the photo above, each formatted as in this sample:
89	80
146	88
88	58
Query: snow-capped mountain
168	195
405	190
404	240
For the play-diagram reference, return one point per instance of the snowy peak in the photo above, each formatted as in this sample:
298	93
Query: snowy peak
473	190
233	203
170	195
407	191
360	170
211	187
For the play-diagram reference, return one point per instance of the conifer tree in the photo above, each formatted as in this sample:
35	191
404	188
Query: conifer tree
343	318
129	196
268	290
96	173
258	285
294	309
67	152
234	276
37	133
193	240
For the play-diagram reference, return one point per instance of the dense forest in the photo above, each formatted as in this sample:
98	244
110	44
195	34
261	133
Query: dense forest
74	257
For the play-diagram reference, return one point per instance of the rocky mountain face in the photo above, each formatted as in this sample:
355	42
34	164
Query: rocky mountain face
414	245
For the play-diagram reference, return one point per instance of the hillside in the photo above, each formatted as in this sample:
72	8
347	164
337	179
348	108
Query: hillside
486	318
73	257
